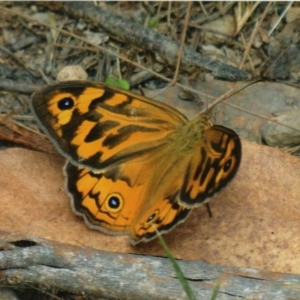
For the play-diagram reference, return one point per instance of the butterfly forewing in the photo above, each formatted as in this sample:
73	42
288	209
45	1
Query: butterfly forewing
97	126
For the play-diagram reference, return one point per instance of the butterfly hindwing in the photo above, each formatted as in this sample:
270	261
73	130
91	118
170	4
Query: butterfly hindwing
108	202
213	165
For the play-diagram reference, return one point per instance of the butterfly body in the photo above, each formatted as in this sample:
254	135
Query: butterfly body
136	166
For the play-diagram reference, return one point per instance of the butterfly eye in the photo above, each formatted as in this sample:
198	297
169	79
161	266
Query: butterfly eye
152	218
65	103
114	203
227	165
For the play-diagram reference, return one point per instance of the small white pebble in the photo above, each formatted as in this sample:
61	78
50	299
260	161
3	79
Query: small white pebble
72	73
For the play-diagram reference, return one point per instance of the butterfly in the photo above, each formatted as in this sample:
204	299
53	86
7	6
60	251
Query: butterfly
134	165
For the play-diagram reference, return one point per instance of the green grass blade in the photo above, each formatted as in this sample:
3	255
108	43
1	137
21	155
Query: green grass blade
177	269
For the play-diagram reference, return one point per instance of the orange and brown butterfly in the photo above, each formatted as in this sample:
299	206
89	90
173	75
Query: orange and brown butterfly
135	166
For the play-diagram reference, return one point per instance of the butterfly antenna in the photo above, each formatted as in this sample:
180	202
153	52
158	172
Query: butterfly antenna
225	96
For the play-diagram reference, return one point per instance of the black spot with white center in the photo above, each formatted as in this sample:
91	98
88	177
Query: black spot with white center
151	217
227	165
114	202
65	103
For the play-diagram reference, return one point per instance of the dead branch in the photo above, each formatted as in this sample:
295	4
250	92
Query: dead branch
83	270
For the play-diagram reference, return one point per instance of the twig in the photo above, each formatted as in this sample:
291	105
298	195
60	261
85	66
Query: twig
253	35
19	61
280	18
16	86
